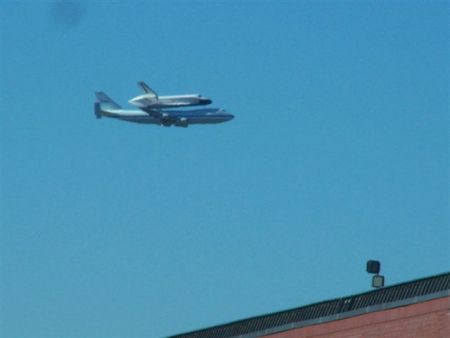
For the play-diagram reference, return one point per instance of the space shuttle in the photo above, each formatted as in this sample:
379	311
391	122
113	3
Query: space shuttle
150	100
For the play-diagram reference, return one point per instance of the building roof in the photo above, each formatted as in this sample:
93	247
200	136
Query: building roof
385	298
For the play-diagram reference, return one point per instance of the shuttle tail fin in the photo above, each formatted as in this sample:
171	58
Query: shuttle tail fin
147	89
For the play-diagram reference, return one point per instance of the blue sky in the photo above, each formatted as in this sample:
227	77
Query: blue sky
339	153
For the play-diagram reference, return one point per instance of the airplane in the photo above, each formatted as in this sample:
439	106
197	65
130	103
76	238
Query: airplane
105	106
151	100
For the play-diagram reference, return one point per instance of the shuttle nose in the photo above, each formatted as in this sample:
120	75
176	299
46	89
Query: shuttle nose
133	101
205	101
139	101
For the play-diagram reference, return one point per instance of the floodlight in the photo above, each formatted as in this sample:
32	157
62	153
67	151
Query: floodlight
373	267
377	281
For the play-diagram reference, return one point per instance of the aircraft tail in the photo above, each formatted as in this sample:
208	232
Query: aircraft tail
97	110
104	103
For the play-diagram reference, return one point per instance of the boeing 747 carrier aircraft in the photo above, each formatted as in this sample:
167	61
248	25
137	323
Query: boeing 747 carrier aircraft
156	114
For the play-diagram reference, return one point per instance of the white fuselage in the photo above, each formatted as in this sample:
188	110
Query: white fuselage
179	118
150	101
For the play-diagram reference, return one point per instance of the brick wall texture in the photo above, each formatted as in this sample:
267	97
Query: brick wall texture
429	319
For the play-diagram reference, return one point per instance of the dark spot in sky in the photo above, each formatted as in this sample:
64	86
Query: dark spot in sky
68	13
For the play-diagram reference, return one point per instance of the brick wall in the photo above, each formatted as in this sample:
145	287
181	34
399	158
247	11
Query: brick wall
429	319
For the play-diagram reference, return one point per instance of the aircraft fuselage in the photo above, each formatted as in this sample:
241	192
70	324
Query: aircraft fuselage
179	118
172	101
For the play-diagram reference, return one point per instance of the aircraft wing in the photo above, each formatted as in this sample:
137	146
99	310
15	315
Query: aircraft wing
152	112
164	115
147	89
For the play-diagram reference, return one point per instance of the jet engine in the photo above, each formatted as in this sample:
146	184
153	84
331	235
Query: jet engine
165	119
182	122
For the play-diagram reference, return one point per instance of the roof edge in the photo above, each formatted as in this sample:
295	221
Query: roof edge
342	315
